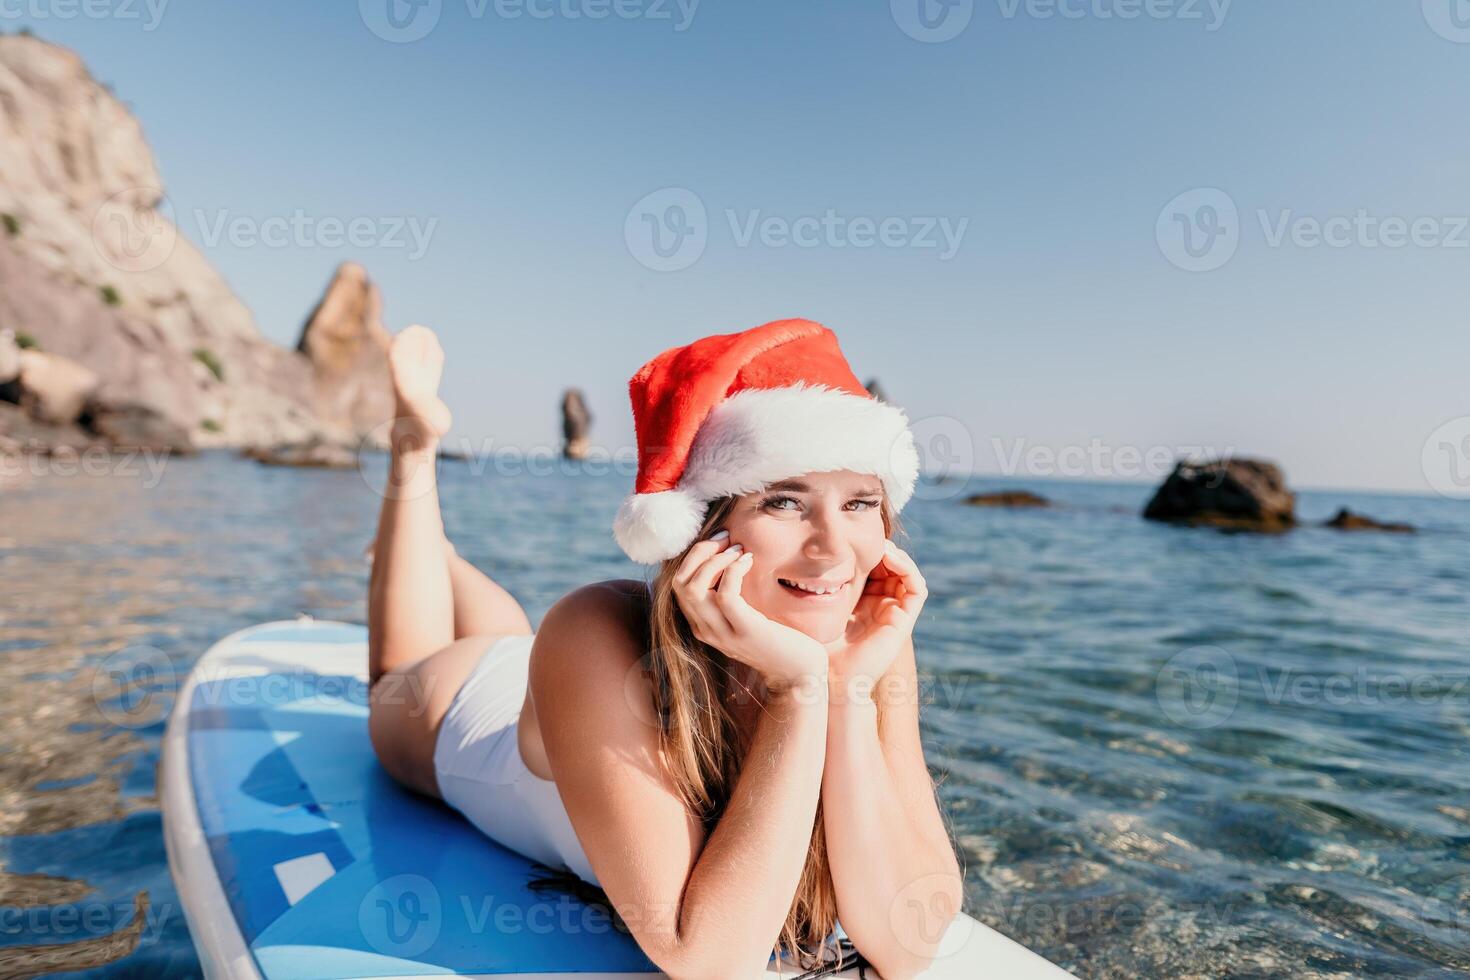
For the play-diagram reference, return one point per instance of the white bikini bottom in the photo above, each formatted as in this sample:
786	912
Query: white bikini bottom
480	770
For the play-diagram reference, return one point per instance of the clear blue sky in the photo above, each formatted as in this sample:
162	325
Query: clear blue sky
1059	321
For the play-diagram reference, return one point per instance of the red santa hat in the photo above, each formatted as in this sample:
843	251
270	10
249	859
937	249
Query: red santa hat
732	413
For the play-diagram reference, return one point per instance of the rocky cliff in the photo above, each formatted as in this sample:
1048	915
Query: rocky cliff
93	271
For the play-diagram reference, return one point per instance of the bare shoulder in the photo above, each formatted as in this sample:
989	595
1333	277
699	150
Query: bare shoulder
596	626
594	706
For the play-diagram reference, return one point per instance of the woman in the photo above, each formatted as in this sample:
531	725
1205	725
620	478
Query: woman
730	753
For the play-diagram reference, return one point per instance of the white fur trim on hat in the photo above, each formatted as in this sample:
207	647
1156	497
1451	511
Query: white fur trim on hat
653	526
758	436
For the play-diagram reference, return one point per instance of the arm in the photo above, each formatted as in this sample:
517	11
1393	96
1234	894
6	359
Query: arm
897	879
758	848
698	908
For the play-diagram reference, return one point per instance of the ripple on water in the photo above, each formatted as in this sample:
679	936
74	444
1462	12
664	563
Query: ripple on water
1293	838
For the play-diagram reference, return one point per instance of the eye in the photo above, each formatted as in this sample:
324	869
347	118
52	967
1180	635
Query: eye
868	503
770	502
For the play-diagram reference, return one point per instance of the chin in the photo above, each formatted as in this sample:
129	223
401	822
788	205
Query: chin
824	626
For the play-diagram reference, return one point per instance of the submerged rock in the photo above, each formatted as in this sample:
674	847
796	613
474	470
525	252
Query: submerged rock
1235	494
1346	520
1008	498
317	453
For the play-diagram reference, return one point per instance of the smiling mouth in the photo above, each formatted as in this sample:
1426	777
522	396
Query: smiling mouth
811	594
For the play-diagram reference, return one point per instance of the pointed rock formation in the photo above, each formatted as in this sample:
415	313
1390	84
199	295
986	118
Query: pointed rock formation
576	424
347	345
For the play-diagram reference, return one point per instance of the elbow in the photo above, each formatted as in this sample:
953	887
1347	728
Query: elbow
914	952
723	965
712	961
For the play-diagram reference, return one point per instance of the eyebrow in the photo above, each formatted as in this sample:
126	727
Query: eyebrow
798	486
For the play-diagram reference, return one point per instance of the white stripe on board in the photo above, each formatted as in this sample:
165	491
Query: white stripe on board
300	875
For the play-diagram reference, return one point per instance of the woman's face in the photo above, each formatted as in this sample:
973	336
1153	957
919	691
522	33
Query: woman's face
817	531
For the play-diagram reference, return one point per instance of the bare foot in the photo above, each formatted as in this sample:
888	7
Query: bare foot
416	364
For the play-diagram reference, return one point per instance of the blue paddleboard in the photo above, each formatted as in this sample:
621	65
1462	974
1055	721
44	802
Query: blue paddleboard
297	856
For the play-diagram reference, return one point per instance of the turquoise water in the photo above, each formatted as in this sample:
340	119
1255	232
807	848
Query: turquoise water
1163	751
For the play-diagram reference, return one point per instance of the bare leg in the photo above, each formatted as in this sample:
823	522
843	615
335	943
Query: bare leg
481	605
410	591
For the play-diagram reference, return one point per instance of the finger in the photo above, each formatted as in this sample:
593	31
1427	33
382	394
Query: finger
698	555
890	613
914	589
905	567
731	602
706	620
705	576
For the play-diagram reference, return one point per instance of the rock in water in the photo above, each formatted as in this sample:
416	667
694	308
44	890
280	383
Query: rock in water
1240	494
347	345
576	424
137	427
317	453
1007	498
1346	520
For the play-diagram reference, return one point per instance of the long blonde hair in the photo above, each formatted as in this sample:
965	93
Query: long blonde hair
703	750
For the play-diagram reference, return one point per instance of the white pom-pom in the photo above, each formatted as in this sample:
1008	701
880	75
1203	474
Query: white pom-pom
653	526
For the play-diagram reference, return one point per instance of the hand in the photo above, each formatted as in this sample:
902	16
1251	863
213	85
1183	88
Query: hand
881	623
707	588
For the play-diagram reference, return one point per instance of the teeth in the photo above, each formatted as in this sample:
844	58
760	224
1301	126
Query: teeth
813	590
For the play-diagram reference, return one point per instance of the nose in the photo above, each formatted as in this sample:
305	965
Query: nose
825	536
